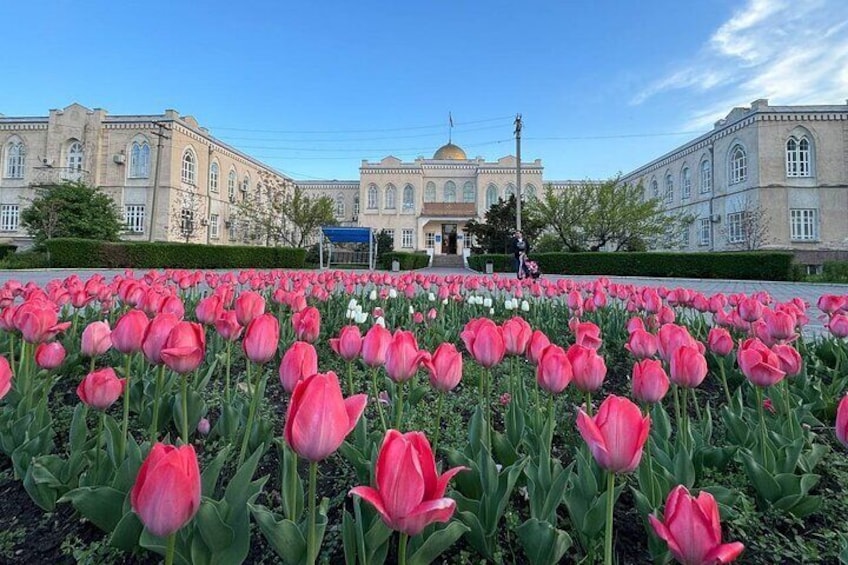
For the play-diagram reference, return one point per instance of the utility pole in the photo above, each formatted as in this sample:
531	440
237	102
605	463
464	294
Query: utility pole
161	135
518	172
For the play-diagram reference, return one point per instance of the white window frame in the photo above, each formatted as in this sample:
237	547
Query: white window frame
685	184
449	192
134	218
706	177
139	160
704	231
391	233
685	237
804	224
406	238
244	187
668	194
798	157
491	196
188	172
214	174
10	216
187	220
408	198
430	240
509	191
736	227
340	206
15	160
213	226
391	197
373	198
355	206
655	189
430	192
738	164
469	194
231	184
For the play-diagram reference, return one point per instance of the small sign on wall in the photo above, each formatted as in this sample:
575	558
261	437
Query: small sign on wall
438	239
459	236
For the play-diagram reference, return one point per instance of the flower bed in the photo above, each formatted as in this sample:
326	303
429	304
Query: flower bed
305	417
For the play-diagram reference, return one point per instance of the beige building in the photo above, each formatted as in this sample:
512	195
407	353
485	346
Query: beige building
767	177
426	203
164	171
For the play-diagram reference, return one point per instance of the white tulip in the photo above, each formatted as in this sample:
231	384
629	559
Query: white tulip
411	309
372	295
487	302
508	304
380	321
431	297
392	293
361	317
525	306
352	304
445	302
491	311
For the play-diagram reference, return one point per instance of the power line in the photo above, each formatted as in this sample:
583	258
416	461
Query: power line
339	140
614	136
404	150
316	132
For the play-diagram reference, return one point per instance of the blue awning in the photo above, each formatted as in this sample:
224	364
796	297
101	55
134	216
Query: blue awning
347	235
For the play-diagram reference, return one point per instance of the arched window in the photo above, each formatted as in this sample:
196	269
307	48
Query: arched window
738	165
189	167
245	185
468	192
340	205
529	192
355	207
213	177
76	156
450	191
706	181
685	184
391	197
655	189
231	184
372	197
139	160
408	198
798	157
509	191
668	196
491	196
15	158
430	192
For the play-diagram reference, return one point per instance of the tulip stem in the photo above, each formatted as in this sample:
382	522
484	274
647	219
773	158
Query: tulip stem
97	441
608	536
169	552
763	434
251	414
402	543
724	379
438	421
12	350
377	399
589	404
399	407
678	418
154	423
551	421
227	374
350	378
125	427
311	548
184	393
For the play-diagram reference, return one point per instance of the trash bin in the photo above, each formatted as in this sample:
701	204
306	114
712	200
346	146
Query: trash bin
490	267
395	265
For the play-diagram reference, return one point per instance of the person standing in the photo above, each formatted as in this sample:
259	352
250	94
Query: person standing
520	249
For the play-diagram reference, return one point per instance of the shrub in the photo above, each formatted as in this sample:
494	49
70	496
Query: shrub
75	253
25	260
835	271
744	266
408	261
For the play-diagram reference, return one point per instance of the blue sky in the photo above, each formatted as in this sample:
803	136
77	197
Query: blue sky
312	88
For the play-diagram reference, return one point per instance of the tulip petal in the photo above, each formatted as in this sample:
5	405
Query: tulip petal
439	510
355	406
725	553
372	497
399	476
592	435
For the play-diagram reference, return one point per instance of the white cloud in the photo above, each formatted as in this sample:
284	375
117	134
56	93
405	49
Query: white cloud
787	51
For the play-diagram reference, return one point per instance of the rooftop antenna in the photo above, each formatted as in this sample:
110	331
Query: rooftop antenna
450	129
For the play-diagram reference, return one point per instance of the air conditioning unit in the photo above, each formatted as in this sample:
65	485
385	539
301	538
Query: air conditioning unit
47	162
715	218
119	158
204	222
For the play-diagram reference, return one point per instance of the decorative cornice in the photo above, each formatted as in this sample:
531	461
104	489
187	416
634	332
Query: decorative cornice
18	126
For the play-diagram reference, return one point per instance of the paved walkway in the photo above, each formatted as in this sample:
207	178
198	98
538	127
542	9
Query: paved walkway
780	291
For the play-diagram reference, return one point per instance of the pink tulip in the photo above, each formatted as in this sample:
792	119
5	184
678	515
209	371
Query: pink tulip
5	377
403	356
554	371
155	336
688	366
374	346
586	334
261	338
538	342
789	358
634	324
485	342
588	367
37	320
318	419
780	324
185	347
445	367
409	493
720	342
641	344
227	325
49	355
208	309
128	335
841	418
348	344
166	493
307	324
670	337
759	364
830	303
248	306
750	309
650	382
96	339
173	305
838	325
692	529
616	434
299	361
516	336
100	389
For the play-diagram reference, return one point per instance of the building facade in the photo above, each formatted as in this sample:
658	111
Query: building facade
765	177
166	172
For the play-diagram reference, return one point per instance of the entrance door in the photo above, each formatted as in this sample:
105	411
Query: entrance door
449	239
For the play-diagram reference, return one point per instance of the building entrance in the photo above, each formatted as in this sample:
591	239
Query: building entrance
449	239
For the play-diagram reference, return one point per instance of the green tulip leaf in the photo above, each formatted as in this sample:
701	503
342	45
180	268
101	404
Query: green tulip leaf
102	506
437	543
214	531
284	536
126	533
543	543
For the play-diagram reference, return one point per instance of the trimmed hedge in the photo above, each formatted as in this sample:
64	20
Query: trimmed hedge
80	253
7	249
408	261
774	266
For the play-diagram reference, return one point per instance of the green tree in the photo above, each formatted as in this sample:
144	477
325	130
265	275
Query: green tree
494	234
606	215
71	209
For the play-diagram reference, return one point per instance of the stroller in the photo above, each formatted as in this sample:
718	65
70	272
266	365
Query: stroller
531	269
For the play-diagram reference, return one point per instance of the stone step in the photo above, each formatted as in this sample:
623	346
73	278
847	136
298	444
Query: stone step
455	261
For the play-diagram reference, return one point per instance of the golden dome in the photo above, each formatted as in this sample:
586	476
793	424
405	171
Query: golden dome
450	152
